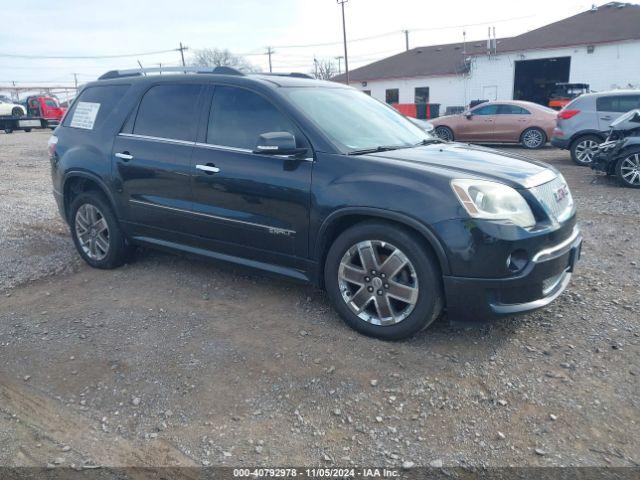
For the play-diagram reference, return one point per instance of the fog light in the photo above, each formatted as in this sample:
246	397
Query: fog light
517	261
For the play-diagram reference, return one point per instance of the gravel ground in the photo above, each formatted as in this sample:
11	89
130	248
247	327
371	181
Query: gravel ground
189	363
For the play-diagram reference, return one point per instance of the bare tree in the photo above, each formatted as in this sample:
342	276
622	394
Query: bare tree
216	57
324	69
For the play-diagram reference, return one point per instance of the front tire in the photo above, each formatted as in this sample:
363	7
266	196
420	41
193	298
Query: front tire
96	232
583	149
444	133
383	281
628	169
533	138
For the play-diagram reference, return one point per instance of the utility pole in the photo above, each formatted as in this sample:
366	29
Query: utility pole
344	34
339	58
182	49
269	52
406	39
315	67
142	68
75	80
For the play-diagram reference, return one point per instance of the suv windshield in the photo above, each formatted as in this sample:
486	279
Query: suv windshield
354	121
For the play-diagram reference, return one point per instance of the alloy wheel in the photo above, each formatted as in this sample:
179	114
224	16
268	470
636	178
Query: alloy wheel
630	169
585	150
378	282
444	133
532	138
92	232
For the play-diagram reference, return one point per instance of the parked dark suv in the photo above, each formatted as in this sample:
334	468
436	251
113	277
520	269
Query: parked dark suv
315	181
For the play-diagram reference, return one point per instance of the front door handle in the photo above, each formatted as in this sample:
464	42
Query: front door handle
209	168
125	156
606	117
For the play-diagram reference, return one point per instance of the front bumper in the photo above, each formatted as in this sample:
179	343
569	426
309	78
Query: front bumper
543	279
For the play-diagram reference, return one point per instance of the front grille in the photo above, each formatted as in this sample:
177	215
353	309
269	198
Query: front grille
556	198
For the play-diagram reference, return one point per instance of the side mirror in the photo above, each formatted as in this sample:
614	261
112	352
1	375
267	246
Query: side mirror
468	115
636	117
277	143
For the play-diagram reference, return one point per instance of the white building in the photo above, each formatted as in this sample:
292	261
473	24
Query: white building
600	47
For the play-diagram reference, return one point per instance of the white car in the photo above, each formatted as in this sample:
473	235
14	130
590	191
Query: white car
13	109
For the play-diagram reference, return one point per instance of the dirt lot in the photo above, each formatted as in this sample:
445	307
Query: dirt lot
171	361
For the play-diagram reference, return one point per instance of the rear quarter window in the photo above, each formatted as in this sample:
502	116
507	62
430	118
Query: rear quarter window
105	96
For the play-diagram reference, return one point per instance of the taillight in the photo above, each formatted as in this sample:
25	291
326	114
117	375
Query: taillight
567	114
51	145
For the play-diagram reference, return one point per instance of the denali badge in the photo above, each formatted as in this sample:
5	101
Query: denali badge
561	193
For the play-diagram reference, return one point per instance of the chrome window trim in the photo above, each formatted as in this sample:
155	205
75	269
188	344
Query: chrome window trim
216	217
157	139
214	146
551	250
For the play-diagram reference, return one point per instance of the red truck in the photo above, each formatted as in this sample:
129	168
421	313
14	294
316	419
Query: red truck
47	108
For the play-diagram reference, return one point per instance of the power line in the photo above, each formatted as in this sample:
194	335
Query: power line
395	32
84	57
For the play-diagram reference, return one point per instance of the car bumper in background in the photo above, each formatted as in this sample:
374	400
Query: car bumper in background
542	281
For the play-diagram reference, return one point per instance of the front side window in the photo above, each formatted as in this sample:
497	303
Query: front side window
488	110
238	116
392	95
354	121
169	111
422	95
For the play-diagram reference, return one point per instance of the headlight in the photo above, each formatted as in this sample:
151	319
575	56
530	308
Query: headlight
493	201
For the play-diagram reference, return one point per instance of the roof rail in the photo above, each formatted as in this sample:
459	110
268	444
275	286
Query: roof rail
137	72
290	74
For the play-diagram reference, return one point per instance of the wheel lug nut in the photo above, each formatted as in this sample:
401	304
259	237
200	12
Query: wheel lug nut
383	275
373	272
386	285
370	289
379	292
367	279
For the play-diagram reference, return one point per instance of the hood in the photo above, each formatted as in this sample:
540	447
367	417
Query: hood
470	161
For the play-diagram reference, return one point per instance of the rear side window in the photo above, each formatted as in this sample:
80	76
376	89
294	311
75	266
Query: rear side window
94	105
512	110
239	116
618	103
169	111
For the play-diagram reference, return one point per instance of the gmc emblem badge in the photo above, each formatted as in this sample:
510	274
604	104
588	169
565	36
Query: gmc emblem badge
561	193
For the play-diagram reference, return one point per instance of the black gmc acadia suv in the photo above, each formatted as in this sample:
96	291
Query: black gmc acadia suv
315	181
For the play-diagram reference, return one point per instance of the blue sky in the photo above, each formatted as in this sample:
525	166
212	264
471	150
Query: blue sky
109	27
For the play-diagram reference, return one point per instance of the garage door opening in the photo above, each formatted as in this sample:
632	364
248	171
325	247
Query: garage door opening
535	80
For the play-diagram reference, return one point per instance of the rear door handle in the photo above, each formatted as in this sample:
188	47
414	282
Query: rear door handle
124	156
607	117
209	168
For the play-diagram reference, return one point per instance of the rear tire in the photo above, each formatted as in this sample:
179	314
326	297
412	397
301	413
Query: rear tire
96	232
444	133
628	169
367	289
17	112
582	149
533	138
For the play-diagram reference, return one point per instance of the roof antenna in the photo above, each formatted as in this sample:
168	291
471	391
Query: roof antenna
142	69
464	42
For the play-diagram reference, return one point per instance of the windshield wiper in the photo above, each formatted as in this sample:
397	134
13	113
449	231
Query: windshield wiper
379	148
428	141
